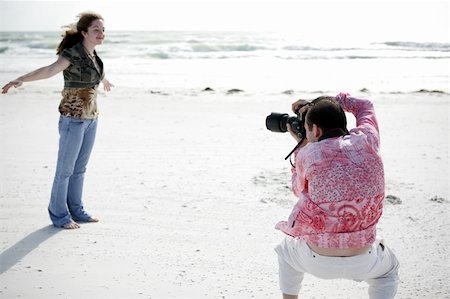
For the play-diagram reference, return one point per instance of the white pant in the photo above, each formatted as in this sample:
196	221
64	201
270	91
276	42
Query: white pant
378	267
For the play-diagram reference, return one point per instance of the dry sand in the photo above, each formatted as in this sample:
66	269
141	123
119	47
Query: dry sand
188	190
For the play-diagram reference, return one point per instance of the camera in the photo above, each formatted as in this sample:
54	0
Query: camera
277	122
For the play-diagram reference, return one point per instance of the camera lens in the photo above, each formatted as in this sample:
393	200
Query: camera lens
276	122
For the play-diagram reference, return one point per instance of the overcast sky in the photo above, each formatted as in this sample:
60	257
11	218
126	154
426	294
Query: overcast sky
374	20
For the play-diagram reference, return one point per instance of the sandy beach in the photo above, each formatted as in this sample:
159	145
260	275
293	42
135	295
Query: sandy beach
188	190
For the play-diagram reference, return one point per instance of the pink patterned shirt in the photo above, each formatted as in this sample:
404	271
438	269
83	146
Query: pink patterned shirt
340	184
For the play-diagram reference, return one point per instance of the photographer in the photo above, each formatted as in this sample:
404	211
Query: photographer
339	180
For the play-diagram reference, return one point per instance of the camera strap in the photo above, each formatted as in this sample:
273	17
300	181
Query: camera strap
293	150
329	134
336	132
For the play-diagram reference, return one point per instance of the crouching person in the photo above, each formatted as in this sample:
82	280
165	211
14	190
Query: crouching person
338	178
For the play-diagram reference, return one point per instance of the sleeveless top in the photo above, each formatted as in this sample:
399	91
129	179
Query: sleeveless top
81	80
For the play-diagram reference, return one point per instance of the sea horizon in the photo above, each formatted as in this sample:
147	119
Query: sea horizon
252	61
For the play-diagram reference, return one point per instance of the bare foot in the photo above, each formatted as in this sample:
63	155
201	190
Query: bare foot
92	219
71	225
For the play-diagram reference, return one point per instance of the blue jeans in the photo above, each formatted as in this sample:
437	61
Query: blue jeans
76	139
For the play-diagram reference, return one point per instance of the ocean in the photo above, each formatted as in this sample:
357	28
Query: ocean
256	63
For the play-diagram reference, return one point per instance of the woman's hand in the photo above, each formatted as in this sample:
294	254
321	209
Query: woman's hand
107	85
16	83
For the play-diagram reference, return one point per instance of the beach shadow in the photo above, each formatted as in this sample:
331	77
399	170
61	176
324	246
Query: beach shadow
18	251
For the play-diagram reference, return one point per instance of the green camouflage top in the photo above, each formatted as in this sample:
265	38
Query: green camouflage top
82	72
81	79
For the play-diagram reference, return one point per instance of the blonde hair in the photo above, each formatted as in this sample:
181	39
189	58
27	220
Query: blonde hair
72	35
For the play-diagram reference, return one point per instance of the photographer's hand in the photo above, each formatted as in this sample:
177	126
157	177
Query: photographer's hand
296	137
299	103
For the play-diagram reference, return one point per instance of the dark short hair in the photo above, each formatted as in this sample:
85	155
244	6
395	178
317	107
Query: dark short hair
327	114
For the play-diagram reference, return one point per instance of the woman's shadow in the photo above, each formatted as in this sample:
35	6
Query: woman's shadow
18	251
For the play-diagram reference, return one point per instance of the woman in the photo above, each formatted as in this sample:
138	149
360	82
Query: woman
83	72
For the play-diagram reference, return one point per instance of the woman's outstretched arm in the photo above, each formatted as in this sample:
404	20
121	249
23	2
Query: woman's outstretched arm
41	73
